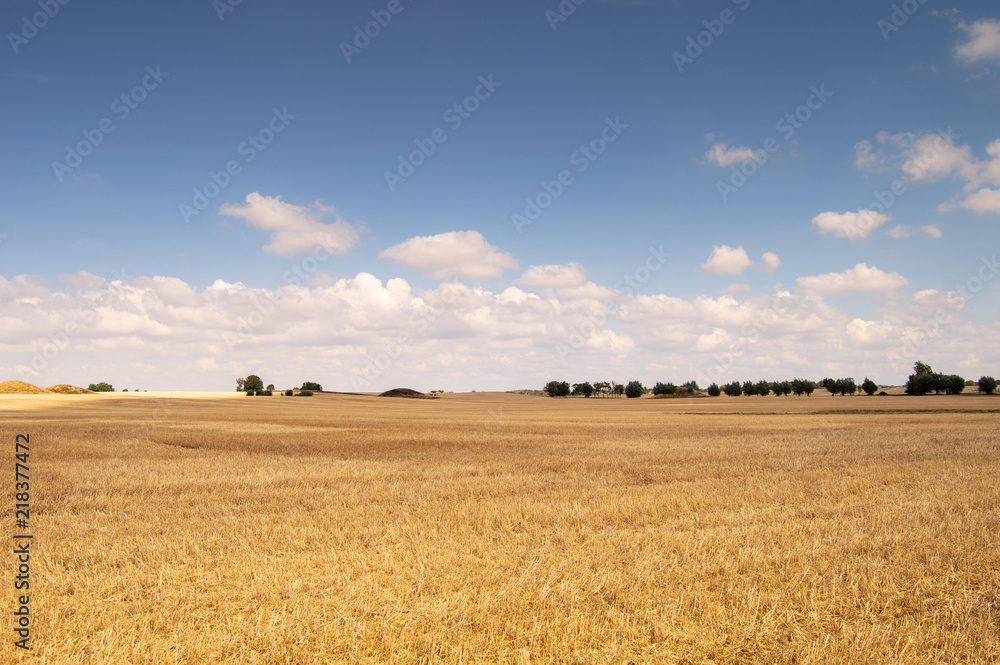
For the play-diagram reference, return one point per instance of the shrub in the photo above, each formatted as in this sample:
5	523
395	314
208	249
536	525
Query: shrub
289	393
988	385
714	390
664	388
250	393
692	386
305	393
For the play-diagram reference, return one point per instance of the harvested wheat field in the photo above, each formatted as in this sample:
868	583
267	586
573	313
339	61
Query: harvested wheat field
500	528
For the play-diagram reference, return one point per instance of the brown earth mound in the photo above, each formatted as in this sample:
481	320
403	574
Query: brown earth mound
406	392
66	389
21	388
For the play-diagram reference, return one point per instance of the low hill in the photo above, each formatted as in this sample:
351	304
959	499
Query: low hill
21	388
66	389
406	392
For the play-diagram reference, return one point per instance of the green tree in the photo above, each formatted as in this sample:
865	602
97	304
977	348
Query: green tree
869	386
557	388
987	384
634	389
253	382
762	388
922	368
749	388
584	389
239	385
619	389
311	385
101	387
270	387
953	384
692	386
714	390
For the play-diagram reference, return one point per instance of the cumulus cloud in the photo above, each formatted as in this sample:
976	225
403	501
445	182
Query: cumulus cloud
770	262
982	41
554	276
904	231
723	155
455	254
929	157
726	260
858	278
849	224
294	229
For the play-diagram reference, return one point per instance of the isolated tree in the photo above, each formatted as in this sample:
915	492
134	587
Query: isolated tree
987	384
714	390
270	387
253	382
869	386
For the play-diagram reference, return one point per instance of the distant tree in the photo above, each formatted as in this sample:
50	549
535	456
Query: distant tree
634	389
782	388
289	393
664	389
270	386
749	388
733	389
847	387
692	386
253	382
239	385
762	388
101	387
799	386
988	385
953	384
714	390
557	388
922	368
124	390
584	389
311	385
869	386
619	389
832	385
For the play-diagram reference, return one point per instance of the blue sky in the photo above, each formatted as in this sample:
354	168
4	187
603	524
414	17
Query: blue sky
104	276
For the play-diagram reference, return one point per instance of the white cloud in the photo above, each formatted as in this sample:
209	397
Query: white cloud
900	231
849	224
770	262
932	230
723	155
554	276
459	254
294	229
982	41
984	201
726	260
858	278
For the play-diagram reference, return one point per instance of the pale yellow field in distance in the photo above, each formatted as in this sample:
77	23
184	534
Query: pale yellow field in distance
499	528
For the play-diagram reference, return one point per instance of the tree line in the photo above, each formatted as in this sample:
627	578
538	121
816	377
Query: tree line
923	381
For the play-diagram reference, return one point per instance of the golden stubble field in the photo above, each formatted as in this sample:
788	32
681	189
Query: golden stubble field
498	528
